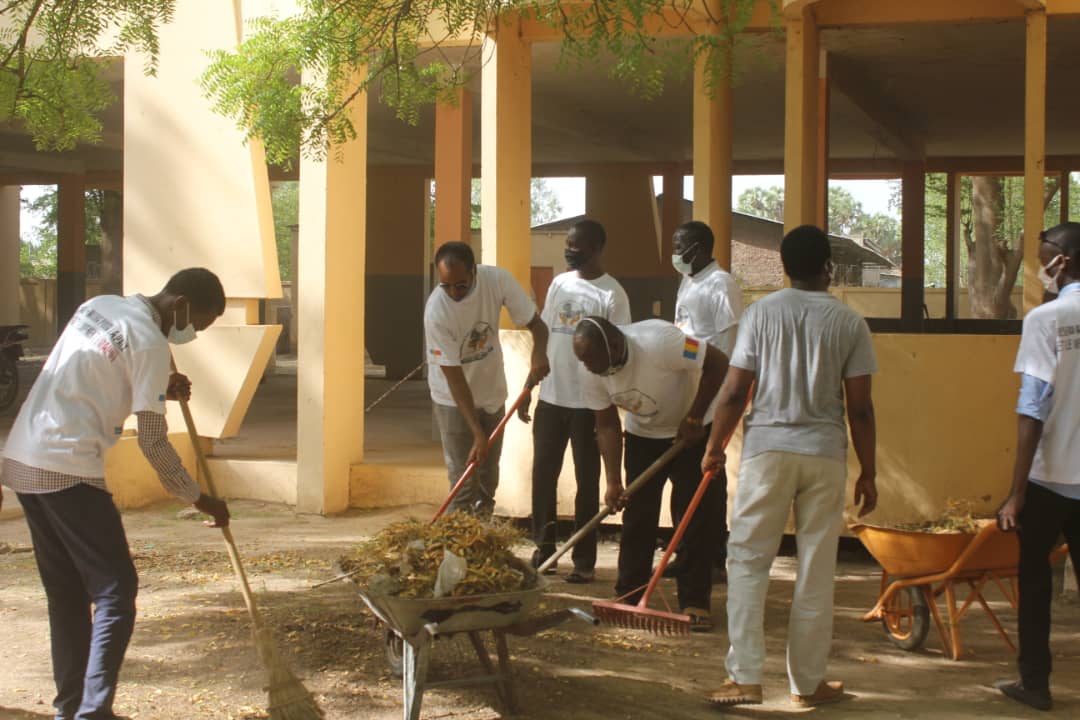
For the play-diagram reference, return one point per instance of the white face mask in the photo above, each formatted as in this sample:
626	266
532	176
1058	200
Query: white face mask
180	336
1052	283
684	267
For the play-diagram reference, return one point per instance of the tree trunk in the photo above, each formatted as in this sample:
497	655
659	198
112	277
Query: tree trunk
112	242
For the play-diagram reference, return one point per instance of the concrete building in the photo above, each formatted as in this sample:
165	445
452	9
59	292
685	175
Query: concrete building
845	89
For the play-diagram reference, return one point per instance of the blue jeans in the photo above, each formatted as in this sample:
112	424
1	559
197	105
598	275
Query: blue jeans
83	559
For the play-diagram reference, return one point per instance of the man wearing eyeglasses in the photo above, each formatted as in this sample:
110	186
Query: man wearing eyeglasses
1044	502
468	388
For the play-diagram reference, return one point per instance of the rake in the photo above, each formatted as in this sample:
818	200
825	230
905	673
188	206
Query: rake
641	616
289	699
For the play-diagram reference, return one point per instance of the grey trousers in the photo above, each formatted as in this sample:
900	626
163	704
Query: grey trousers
478	494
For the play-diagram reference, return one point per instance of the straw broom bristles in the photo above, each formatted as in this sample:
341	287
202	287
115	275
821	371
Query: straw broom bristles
289	699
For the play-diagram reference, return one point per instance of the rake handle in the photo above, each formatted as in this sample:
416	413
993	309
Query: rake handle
632	488
226	532
471	468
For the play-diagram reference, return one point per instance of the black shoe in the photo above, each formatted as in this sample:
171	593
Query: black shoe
1038	699
538	560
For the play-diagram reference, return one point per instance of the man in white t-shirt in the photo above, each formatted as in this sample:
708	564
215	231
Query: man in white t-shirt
664	381
708	307
803	352
111	361
1044	502
561	414
468	386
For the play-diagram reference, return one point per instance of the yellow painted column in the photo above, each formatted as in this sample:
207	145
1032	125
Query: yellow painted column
330	352
1034	153
822	166
70	248
506	151
453	169
713	138
9	254
800	120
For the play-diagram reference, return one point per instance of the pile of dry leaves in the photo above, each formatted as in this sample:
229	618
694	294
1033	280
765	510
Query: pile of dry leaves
959	517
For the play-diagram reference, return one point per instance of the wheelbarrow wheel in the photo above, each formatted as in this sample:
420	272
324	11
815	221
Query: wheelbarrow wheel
395	652
906	619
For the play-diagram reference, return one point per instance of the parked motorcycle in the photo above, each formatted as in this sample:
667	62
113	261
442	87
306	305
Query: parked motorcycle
12	338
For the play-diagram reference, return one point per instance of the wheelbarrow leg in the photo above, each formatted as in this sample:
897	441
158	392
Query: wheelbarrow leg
498	675
415	660
506	680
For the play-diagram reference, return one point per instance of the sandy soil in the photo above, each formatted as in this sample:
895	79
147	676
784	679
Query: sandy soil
192	655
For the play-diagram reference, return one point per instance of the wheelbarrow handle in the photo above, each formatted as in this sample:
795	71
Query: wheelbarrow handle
632	488
525	394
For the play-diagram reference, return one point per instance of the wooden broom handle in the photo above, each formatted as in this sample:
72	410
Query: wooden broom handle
230	544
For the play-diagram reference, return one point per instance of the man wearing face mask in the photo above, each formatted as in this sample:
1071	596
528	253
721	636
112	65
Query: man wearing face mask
468	386
708	307
1044	502
111	361
665	381
561	415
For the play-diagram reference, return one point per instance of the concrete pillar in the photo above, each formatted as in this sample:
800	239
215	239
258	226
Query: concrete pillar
9	254
672	215
453	169
1034	152
800	120
294	292
713	137
953	239
822	164
330	352
70	249
506	151
913	234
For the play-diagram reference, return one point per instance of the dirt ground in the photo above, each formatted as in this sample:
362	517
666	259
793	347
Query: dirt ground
192	656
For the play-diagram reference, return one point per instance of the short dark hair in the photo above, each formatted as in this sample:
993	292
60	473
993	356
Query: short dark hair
591	232
591	333
698	233
804	252
201	287
1066	237
458	251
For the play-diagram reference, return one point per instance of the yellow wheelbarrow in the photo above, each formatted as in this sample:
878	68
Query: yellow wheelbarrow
919	567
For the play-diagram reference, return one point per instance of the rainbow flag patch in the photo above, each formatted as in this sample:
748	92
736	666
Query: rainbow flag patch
690	348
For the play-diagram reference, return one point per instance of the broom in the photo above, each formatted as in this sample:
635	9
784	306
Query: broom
289	699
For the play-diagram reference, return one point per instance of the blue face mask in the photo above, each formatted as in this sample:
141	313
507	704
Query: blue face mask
180	336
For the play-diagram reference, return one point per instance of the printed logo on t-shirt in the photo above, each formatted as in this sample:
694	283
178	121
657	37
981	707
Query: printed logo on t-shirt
682	318
478	343
101	331
435	352
636	402
567	316
690	348
1068	337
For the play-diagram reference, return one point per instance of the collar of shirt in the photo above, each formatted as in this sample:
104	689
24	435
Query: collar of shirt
704	271
150	306
1070	288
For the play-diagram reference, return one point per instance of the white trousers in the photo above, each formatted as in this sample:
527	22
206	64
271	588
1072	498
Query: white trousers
769	484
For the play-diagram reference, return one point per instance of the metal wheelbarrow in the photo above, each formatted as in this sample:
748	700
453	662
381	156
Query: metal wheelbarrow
919	567
413	625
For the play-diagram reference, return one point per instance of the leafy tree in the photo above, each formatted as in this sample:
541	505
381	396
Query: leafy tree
291	79
762	202
545	203
52	61
37	259
285	202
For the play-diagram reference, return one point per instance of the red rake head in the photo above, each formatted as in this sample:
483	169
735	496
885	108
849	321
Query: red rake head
633	617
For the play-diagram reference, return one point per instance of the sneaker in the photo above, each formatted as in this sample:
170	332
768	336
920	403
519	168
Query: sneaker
1038	699
732	693
828	691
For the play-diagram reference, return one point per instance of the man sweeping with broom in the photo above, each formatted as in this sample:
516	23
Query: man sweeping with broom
111	361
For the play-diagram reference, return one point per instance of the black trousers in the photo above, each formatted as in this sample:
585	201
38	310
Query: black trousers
641	520
84	561
1045	517
553	427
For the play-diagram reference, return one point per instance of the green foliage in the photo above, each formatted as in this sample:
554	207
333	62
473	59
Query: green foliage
53	60
37	259
291	80
285	201
37	251
545	203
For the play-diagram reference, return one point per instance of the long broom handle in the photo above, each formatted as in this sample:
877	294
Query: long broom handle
632	488
525	393
398	384
230	544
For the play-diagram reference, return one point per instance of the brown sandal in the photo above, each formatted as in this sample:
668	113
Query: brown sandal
700	619
732	693
828	691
